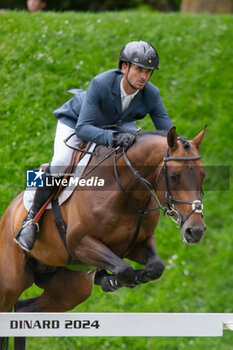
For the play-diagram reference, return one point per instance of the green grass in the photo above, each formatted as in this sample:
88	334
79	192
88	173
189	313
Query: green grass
42	55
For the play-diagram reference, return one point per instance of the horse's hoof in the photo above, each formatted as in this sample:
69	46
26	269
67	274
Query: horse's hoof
126	277
110	284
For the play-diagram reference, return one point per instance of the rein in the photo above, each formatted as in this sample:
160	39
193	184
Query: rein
96	154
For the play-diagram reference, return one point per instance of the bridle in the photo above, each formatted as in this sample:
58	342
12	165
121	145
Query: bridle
197	206
169	210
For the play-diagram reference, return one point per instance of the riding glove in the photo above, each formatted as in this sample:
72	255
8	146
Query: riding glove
123	140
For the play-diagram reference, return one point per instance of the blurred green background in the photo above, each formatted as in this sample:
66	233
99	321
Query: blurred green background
213	6
42	55
96	5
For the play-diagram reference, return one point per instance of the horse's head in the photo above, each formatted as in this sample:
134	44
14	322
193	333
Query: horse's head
183	174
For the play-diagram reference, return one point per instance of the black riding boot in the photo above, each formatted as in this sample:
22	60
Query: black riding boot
29	231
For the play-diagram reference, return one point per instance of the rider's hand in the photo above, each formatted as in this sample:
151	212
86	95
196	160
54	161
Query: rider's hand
123	140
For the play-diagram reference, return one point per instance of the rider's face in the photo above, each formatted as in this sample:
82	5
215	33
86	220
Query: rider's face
135	77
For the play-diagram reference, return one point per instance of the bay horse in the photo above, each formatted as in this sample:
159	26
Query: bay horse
160	171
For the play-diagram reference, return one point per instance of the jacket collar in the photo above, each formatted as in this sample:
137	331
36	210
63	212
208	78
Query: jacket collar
116	84
116	92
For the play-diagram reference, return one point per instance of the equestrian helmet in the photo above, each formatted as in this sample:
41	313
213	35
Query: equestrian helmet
140	53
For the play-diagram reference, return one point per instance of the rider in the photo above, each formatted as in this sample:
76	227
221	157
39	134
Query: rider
116	98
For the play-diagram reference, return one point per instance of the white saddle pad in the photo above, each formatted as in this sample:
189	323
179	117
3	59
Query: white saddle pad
29	192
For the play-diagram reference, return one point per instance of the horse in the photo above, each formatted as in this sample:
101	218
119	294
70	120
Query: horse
159	172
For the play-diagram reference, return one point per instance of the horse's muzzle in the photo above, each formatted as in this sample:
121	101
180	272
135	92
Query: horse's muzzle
193	233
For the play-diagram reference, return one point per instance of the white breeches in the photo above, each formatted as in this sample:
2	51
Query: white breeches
62	153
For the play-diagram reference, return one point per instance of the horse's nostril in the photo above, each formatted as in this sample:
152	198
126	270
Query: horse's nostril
189	232
194	234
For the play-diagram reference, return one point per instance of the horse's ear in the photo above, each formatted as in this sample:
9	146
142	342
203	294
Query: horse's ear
198	139
172	138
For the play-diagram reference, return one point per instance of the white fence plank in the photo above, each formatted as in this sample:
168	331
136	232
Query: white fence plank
114	324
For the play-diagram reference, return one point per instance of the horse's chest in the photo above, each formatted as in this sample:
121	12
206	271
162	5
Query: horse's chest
125	231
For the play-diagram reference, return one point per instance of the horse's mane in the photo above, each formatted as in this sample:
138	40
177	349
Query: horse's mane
161	133
152	133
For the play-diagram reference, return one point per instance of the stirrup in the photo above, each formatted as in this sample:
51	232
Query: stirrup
30	222
28	245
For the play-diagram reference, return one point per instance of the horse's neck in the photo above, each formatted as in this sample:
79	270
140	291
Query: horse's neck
148	152
146	158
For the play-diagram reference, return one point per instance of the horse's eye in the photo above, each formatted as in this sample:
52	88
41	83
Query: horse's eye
175	178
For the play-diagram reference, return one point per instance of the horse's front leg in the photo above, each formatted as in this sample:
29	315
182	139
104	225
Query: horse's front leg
93	252
146	253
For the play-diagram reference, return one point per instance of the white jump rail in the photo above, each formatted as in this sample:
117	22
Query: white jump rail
114	324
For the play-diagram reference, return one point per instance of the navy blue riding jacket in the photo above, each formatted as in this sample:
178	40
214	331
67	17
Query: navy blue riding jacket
89	112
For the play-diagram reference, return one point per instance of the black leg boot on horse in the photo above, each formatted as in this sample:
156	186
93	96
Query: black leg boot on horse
29	231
